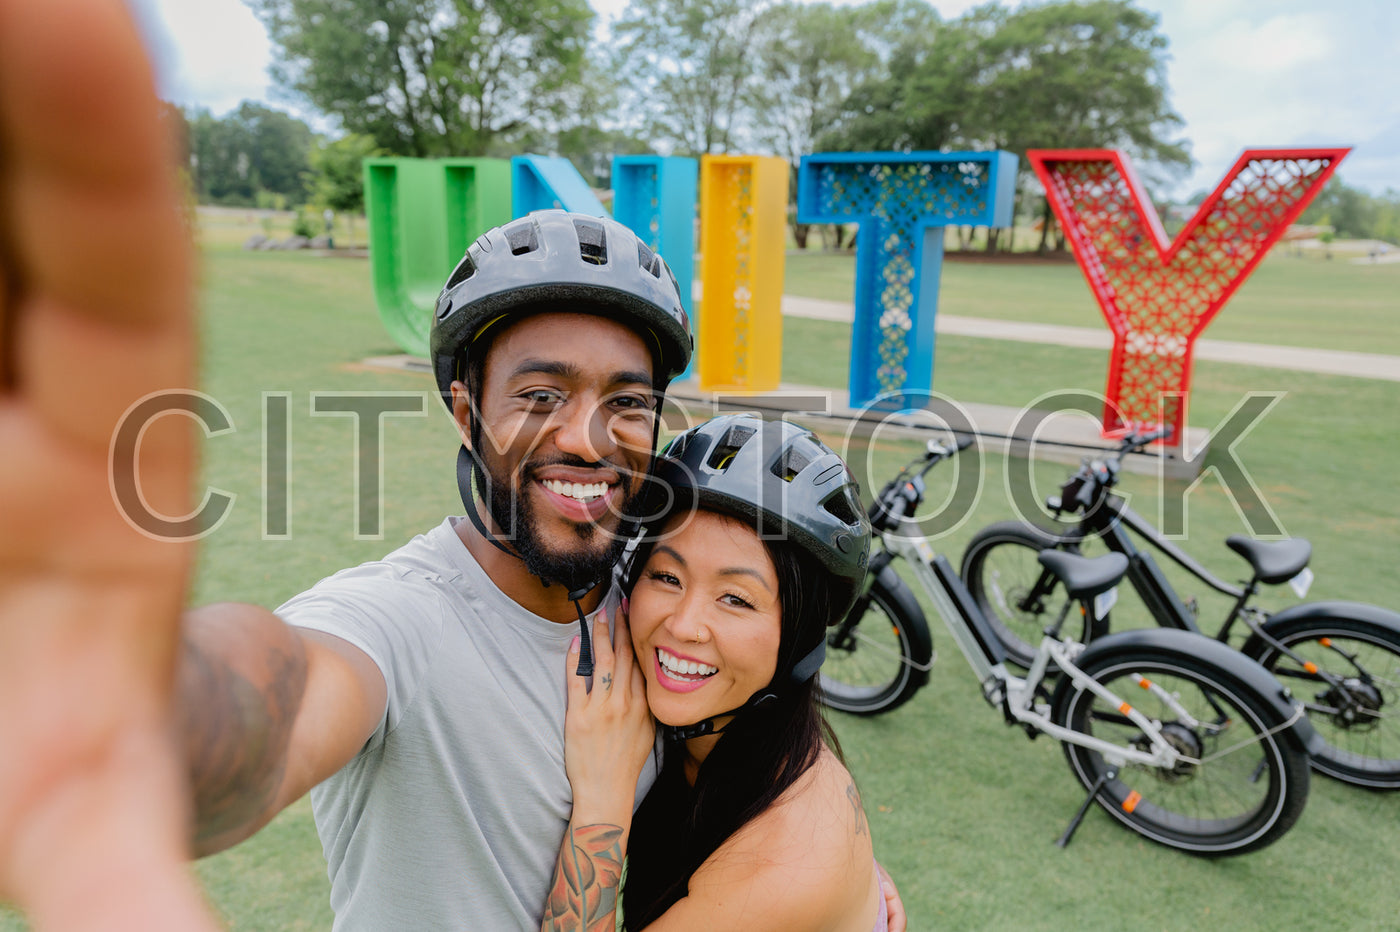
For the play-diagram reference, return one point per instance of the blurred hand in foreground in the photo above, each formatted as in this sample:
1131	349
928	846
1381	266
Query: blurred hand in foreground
94	315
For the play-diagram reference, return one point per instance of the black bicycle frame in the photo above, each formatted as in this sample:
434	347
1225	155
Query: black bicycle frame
1110	520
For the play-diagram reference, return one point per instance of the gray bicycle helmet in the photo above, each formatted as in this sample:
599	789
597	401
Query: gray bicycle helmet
553	258
786	483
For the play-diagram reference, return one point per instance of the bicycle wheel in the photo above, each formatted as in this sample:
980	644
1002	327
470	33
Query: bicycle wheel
882	658
1000	569
1242	783
1360	718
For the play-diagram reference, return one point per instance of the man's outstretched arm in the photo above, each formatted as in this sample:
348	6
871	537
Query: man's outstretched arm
266	712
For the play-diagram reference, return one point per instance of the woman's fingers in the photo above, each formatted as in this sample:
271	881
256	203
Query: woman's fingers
622	637
577	688
604	663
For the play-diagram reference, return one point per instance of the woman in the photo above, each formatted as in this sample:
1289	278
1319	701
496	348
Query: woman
754	822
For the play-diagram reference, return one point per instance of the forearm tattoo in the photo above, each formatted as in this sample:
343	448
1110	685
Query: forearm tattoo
584	895
236	731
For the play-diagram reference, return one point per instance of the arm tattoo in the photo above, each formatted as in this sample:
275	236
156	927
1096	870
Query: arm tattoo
236	728
584	895
854	797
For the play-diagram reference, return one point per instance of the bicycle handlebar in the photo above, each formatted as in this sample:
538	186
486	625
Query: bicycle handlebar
1134	442
1093	475
902	494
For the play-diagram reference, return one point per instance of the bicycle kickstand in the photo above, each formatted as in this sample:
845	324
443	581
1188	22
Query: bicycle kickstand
1104	777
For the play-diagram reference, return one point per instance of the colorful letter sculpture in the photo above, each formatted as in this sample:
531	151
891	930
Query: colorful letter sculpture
743	234
540	182
1158	295
902	202
423	213
654	197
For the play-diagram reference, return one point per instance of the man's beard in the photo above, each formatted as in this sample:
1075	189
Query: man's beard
515	512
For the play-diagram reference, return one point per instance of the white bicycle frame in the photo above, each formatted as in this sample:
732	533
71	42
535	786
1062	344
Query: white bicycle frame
1017	695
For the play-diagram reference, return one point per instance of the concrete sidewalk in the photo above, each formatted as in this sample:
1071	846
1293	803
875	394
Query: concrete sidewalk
1331	362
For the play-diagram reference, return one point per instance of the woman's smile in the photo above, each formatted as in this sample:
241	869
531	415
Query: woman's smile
706	618
679	674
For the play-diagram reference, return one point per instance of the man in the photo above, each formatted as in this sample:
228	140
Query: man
431	702
421	694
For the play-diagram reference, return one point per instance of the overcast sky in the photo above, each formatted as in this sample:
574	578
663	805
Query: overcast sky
1241	73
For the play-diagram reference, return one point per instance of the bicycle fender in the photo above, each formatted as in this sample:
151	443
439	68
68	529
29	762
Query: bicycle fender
889	580
1247	674
1373	614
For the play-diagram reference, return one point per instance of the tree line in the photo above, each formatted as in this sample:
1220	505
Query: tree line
1355	214
687	77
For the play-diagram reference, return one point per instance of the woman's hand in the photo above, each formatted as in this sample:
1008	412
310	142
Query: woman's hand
608	731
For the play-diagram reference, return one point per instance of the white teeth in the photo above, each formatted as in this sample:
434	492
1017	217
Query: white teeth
679	667
579	491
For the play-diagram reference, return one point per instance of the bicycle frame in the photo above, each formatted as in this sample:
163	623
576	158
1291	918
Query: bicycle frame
1110	520
1017	695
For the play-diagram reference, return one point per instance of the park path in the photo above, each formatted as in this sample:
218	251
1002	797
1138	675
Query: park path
1299	359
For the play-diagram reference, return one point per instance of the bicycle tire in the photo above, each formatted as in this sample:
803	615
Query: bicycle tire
1363	750
887	659
1241	801
999	567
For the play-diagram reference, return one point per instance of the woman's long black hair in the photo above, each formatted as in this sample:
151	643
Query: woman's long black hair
762	752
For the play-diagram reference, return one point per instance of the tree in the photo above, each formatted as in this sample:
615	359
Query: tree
280	149
588	132
219	159
810	58
338	173
686	66
1061	75
917	96
429	77
1078	75
1355	214
252	149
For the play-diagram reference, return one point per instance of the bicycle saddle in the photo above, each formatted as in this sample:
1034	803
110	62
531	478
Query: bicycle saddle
1274	561
1085	577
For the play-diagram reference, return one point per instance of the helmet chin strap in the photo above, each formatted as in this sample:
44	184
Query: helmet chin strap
466	466
802	671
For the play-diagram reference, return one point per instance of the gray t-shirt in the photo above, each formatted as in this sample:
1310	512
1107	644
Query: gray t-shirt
451	815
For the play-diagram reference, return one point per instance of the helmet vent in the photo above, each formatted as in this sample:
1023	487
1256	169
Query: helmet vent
676	448
792	462
732	442
523	238
647	259
592	243
464	270
839	507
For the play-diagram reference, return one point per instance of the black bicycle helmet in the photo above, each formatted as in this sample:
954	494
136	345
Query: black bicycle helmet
553	258
788	484
779	476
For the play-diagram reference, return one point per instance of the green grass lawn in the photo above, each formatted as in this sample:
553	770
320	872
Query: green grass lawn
1289	300
964	810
